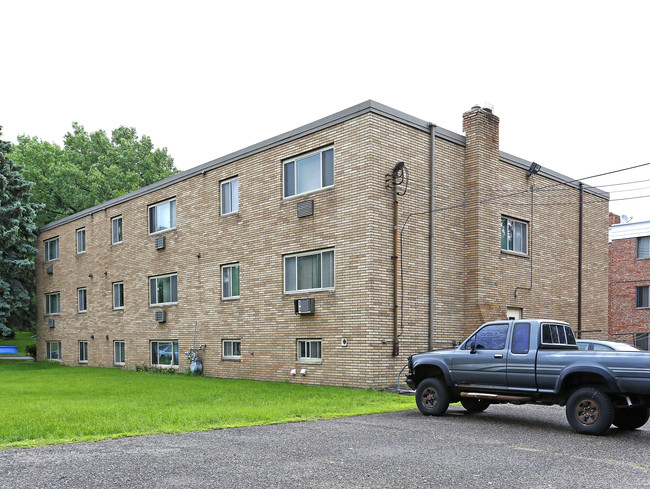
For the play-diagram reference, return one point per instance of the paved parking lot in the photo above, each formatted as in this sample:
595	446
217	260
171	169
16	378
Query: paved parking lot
506	446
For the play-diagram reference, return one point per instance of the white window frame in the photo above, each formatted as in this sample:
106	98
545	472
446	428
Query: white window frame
643	247
122	352
173	279
297	256
83	351
227	191
174	346
310	344
524	240
81	232
114	222
226	288
172	216
48	244
121	286
48	312
642	297
82	305
48	347
228	350
295	173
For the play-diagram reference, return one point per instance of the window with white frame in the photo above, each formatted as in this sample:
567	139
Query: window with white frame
81	240
116	233
310	350
514	235
83	352
162	290
309	271
643	247
229	196
52	249
309	172
82	300
164	353
643	296
162	216
232	349
53	350
230	281
53	303
118	295
118	352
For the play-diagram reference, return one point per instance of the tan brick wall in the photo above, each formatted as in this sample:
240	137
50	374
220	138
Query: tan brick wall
355	218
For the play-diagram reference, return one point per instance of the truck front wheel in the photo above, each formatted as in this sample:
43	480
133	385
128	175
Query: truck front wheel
590	411
432	397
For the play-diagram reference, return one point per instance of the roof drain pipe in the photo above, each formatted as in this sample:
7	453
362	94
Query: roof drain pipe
393	180
432	131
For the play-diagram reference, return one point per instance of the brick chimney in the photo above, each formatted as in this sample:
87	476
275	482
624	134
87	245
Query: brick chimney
614	219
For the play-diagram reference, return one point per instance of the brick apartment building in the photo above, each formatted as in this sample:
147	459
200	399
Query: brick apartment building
218	255
629	281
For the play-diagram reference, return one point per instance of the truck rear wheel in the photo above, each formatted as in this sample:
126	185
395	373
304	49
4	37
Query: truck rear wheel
432	397
631	418
474	405
590	411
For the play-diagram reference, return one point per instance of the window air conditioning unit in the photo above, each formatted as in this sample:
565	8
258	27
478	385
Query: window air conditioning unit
304	306
50	323
50	269
159	244
161	316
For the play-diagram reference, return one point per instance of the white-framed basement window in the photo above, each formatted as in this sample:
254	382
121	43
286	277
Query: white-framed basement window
231	349
164	353
310	351
53	350
83	352
118	353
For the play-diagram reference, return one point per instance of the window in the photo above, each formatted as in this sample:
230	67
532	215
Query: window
162	216
117	229
162	290
118	355
310	350
229	196
52	249
81	240
643	296
557	334
83	352
514	235
164	353
118	295
53	350
232	349
230	281
491	337
521	338
53	303
643	247
82	300
309	271
310	172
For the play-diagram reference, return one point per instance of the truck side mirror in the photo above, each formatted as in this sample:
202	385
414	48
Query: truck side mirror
473	350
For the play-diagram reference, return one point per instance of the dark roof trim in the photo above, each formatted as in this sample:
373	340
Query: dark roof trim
369	106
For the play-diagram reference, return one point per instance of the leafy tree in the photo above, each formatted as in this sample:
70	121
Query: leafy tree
89	169
17	252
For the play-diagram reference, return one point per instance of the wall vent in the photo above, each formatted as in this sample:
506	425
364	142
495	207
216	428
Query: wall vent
161	316
160	243
304	306
50	269
50	323
305	208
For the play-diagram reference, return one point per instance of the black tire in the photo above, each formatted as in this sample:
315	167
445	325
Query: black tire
432	397
631	418
590	411
474	405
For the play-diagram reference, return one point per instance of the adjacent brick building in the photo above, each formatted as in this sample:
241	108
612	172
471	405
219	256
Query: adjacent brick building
222	252
629	281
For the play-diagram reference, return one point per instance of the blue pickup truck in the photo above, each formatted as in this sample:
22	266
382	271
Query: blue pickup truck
535	361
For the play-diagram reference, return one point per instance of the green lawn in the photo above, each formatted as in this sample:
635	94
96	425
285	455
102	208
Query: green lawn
21	340
44	402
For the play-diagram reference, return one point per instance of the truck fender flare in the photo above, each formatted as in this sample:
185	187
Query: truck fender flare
601	372
435	363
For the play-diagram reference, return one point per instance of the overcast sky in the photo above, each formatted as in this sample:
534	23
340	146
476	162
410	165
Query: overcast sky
569	80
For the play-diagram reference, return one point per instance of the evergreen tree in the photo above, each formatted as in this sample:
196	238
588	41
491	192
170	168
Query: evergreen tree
17	251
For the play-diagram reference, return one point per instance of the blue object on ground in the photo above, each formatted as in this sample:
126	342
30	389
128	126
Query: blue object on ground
8	349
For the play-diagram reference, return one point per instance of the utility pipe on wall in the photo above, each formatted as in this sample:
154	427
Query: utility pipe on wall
432	132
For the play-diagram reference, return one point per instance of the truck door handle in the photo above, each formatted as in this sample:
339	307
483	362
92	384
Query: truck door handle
498	355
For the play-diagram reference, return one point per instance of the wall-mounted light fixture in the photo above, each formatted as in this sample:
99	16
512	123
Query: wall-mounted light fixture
534	168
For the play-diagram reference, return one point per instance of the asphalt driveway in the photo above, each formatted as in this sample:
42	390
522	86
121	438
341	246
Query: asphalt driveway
506	446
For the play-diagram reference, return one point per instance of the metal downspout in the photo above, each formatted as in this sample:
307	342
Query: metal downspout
432	131
580	239
395	274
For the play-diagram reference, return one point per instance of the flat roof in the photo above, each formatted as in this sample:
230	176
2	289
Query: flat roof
625	230
369	106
